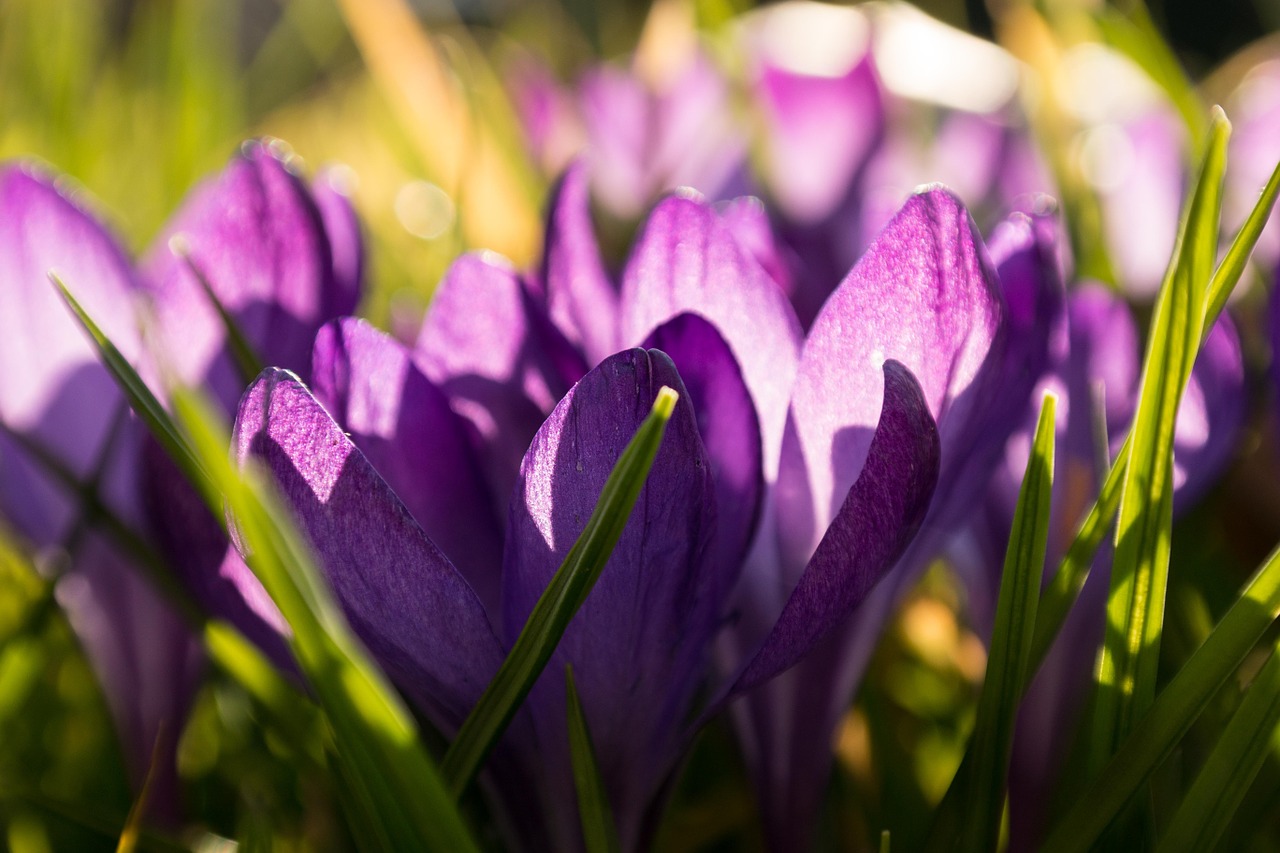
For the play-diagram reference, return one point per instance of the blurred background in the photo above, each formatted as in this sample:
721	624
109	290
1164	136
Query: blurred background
446	118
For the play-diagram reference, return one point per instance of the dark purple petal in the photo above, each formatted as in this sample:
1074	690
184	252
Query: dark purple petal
924	294
581	300
659	585
331	190
196	549
493	351
727	422
1104	354
403	425
688	261
258	238
1024	250
55	392
146	659
877	520
403	598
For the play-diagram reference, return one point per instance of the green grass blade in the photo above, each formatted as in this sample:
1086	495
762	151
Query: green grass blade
1233	263
376	739
1126	675
1060	595
1231	767
1175	709
559	602
144	402
1010	642
228	649
246	358
598	830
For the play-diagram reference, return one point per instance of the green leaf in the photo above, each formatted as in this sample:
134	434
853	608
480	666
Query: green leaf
247	360
1233	263
1175	709
226	645
1010	642
1230	768
376	739
561	599
598	830
1126	674
1060	595
144	403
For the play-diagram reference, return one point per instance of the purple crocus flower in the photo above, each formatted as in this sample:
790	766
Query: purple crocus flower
795	473
1098	363
59	403
282	258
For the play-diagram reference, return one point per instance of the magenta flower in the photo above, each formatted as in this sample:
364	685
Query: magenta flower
282	258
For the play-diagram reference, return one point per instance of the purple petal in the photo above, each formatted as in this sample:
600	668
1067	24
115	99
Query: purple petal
195	547
258	238
821	122
403	598
727	423
146	659
497	356
688	260
332	193
581	300
55	391
1254	108
1104	353
747	220
552	128
661	582
646	140
924	294
1210	415
1024	250
1141	202
877	520
403	425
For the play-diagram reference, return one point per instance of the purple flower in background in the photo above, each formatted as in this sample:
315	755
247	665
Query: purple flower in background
1097	363
282	258
916	102
642	132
